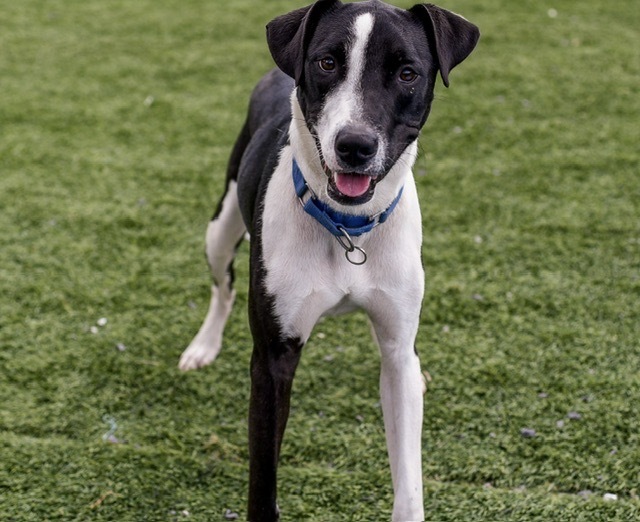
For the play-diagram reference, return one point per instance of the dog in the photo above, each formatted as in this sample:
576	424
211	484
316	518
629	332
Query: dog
320	177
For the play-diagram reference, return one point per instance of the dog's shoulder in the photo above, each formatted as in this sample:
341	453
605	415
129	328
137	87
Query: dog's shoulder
270	100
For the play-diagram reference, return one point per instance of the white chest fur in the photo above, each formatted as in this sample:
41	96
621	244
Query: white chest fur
306	269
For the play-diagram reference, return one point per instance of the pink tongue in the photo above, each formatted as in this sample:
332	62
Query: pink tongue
352	185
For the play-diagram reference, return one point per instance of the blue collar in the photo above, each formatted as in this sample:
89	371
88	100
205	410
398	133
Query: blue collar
338	223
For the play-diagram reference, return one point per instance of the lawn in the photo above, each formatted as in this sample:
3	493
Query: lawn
116	121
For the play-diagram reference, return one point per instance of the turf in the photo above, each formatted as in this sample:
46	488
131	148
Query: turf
116	121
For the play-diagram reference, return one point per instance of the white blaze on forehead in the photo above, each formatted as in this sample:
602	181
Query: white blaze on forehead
344	105
362	28
348	96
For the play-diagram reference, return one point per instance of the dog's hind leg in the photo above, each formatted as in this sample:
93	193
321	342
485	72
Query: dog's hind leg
224	233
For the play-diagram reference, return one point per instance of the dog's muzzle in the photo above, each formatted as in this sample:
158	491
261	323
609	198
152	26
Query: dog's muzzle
352	176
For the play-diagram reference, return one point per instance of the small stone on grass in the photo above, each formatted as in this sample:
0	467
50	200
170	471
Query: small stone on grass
528	433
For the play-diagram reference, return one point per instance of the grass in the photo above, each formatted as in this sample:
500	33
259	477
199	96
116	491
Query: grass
116	123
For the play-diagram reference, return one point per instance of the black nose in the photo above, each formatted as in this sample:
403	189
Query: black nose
356	146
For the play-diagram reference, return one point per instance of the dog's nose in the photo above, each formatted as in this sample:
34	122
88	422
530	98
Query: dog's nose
356	146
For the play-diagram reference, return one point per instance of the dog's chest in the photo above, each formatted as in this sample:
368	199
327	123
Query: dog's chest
307	273
306	270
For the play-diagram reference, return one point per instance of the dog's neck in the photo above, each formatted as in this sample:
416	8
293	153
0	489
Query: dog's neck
305	152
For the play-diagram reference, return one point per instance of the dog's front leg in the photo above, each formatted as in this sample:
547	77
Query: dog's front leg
273	366
401	394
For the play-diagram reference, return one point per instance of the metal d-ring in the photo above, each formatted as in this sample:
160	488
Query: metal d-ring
349	247
357	263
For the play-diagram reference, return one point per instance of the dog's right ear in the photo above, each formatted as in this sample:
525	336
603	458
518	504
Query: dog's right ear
289	35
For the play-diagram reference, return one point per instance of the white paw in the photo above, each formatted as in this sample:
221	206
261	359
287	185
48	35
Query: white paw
196	356
206	345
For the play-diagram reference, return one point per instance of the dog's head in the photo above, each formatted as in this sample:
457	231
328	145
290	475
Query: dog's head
365	75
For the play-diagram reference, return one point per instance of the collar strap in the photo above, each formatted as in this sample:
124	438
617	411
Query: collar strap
338	223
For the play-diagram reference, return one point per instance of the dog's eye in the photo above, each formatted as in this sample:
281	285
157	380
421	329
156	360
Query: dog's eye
408	75
327	64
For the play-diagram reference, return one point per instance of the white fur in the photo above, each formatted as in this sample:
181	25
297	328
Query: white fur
395	323
306	267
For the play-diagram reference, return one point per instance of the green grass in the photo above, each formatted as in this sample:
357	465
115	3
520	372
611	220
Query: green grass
116	121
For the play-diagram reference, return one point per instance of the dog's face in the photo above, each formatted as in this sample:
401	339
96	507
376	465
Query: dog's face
366	89
365	75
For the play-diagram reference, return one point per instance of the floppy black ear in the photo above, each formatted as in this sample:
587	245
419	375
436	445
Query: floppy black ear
453	37
288	36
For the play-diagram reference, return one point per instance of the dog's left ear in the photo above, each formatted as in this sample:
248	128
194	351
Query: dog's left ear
452	36
289	35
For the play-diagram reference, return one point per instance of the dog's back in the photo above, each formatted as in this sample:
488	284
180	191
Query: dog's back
265	130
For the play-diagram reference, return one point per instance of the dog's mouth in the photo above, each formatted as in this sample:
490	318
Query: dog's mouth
350	188
352	185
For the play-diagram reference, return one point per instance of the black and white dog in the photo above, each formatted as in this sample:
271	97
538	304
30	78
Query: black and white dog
321	178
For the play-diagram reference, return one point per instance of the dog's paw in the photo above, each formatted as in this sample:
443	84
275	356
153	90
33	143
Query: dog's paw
206	345
196	356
